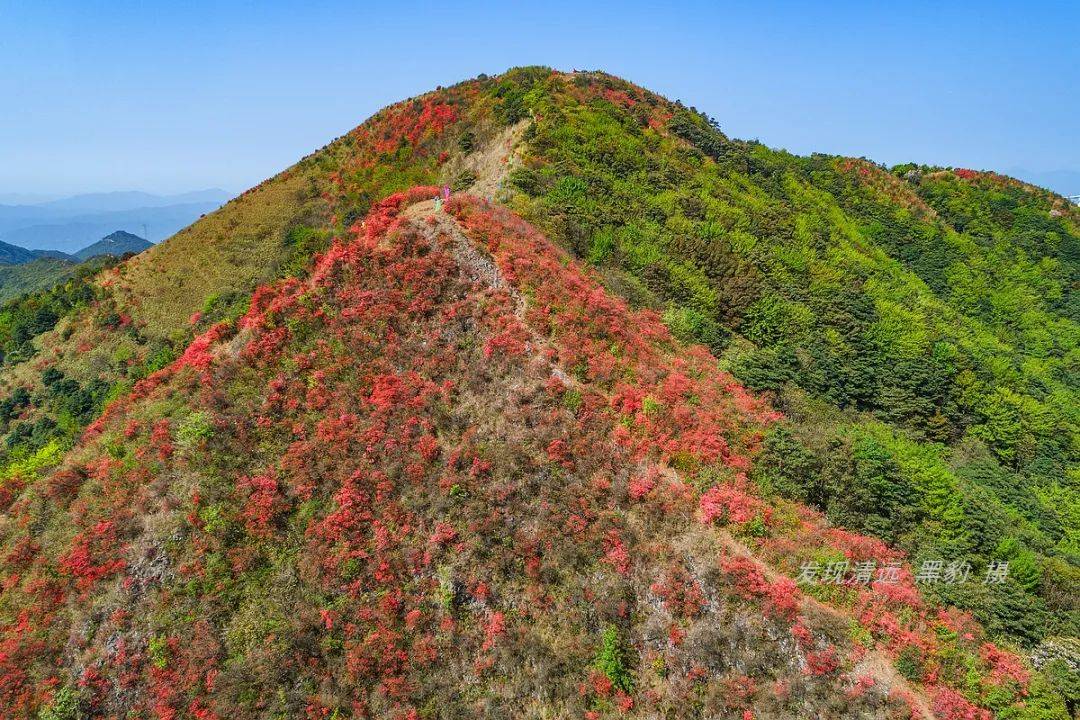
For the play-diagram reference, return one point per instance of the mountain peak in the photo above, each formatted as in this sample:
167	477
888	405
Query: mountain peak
116	243
641	420
121	236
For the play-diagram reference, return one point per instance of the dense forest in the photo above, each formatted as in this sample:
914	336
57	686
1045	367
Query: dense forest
917	325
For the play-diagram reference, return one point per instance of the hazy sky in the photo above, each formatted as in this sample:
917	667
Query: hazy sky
167	97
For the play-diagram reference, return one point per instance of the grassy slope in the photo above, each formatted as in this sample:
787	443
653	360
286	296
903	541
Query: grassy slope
229	251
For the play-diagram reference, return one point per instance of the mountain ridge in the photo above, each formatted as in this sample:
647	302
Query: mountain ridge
117	200
13	254
131	200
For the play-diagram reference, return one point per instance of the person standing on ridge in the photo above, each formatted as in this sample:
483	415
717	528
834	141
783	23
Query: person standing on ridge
446	193
438	203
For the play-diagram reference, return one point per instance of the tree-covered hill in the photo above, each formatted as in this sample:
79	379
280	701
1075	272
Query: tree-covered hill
925	318
118	243
14	255
636	435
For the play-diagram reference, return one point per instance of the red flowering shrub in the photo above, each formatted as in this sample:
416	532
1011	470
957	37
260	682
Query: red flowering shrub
558	451
161	439
730	504
22	554
263	501
1003	666
641	484
10	490
680	592
444	534
410	123
93	556
951	705
824	662
197	354
781	596
496	627
64	484
615	552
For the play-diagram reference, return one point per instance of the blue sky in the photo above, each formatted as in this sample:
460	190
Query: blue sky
168	97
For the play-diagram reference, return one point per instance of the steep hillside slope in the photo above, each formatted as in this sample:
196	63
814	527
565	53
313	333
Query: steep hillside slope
444	471
927	363
447	459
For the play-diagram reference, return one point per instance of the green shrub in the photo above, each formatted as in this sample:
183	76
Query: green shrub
611	660
463	181
525	180
65	706
909	664
158	650
193	430
301	242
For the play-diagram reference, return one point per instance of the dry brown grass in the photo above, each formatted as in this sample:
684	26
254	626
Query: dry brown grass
233	249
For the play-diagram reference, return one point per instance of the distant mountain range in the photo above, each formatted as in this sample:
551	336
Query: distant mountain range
70	223
15	198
